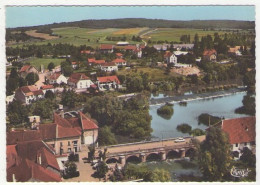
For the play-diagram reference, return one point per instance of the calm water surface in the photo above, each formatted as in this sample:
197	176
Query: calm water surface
221	106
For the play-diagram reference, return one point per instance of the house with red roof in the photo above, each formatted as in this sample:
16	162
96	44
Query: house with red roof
28	94
79	81
109	67
119	55
106	48
56	78
119	62
108	82
241	133
210	55
93	61
29	159
74	64
26	69
46	88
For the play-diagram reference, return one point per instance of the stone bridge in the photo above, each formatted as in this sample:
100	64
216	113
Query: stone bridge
149	150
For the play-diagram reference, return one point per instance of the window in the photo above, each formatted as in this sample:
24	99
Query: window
60	143
245	143
68	143
236	144
69	149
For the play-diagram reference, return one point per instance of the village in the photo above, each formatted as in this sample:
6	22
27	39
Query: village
131	100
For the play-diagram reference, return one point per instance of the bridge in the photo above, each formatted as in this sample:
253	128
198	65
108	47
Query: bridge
149	150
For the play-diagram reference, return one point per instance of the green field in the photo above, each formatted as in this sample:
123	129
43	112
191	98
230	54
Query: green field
37	62
86	36
174	34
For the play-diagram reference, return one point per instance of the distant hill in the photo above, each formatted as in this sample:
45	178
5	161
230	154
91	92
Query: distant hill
140	22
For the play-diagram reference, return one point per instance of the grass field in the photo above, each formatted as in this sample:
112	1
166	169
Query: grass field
37	62
174	34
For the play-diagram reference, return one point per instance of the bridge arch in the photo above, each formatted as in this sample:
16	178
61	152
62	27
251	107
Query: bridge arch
173	154
153	157
112	160
133	159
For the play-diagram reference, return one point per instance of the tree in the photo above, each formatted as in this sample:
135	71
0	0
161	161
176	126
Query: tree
106	137
165	111
43	108
214	155
14	73
17	113
49	94
91	153
102	169
31	78
51	66
70	98
70	169
157	175
11	85
67	70
248	157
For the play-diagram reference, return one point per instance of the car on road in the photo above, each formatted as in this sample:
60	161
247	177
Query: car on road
179	140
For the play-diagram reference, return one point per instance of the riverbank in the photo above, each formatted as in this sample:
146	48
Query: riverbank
191	96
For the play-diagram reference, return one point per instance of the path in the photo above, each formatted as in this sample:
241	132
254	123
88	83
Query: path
141	36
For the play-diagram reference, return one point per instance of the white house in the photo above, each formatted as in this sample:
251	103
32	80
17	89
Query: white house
108	82
28	94
170	58
79	81
109	67
57	78
241	132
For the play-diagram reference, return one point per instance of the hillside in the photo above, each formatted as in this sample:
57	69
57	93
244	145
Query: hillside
151	23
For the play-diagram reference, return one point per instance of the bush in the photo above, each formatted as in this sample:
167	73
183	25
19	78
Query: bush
165	111
74	157
197	132
208	119
184	128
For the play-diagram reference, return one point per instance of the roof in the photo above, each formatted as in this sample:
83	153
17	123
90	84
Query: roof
108	64
75	77
119	60
130	47
26	89
85	51
13	137
87	123
209	52
25	68
91	60
105	79
240	130
106	46
47	131
168	54
74	63
22	162
47	87
55	76
119	54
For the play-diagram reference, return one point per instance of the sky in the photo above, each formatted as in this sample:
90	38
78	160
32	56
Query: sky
35	15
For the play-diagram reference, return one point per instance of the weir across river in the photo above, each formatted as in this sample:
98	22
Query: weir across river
143	151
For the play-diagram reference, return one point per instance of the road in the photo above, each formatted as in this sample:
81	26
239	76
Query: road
145	146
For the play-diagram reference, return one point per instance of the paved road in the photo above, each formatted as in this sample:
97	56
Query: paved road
145	146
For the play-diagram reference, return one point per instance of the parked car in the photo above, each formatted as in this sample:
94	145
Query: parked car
179	140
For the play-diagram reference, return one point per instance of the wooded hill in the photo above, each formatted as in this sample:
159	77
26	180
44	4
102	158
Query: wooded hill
141	22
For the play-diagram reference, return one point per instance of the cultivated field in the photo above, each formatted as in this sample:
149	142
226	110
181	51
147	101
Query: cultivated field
45	36
94	37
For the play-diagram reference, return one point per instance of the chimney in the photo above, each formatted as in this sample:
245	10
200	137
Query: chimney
62	113
13	176
40	159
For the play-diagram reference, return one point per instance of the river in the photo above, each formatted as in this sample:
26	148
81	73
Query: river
223	106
